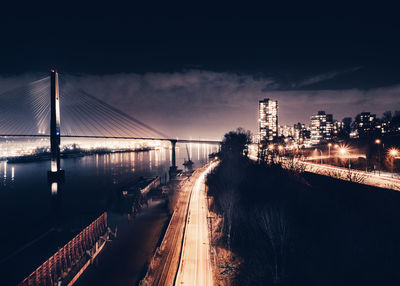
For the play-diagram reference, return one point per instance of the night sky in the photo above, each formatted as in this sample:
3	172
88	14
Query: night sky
198	70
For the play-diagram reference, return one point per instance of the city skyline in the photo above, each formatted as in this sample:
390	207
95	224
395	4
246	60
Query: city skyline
322	128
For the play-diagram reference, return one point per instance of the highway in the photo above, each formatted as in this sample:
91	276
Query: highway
195	263
368	178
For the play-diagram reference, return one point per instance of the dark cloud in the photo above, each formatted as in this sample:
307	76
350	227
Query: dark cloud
323	77
184	104
207	104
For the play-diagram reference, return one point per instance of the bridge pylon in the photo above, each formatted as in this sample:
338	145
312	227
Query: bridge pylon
173	169
55	175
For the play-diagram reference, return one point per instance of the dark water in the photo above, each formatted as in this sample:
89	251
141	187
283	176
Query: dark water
36	222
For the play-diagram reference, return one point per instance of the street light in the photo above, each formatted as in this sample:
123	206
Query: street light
344	151
316	149
329	147
378	141
393	152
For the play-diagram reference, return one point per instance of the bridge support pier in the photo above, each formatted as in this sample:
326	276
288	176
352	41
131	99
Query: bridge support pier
173	169
55	175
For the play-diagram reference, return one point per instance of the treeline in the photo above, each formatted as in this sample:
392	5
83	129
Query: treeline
258	205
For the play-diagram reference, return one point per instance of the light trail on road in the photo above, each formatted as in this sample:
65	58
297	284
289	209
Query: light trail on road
366	178
195	264
342	173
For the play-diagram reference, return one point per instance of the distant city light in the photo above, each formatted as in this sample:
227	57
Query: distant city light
16	147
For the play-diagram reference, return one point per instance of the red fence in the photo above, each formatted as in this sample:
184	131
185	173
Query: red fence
67	257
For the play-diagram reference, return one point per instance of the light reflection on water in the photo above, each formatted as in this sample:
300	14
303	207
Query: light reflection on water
89	183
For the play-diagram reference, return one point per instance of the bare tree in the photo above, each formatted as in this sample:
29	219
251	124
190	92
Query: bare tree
295	165
227	200
273	222
334	173
355	177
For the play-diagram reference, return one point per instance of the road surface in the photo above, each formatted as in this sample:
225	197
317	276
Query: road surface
367	178
195	264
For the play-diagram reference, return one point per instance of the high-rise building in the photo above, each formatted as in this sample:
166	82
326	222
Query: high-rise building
338	127
365	124
301	134
286	131
268	119
321	127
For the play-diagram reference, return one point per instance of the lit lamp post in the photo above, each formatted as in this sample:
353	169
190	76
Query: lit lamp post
393	153
316	149
329	148
378	141
343	151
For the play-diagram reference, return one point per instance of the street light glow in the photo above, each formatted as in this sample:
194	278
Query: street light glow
393	152
342	150
378	141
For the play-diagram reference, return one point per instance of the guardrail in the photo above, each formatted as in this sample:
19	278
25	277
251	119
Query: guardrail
60	264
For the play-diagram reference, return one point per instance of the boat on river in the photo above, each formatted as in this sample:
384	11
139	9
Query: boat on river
141	187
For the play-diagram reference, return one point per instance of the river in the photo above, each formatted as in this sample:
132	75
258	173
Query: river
36	222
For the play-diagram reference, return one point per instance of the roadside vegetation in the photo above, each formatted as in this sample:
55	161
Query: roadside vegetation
290	227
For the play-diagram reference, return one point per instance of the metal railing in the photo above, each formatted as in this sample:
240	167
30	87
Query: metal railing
60	264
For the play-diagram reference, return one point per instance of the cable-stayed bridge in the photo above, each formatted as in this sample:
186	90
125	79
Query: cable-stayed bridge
53	108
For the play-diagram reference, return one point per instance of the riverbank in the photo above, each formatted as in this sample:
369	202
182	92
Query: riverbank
124	260
45	156
128	258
